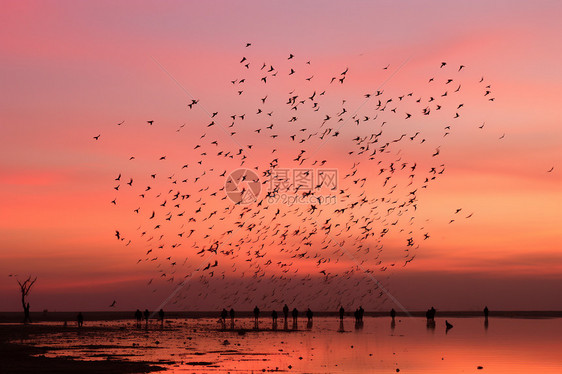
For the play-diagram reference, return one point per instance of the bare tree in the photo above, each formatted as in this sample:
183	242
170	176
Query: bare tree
25	287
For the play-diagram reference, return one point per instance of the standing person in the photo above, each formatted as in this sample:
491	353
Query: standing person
295	314
231	318
309	315
80	319
138	316
146	315
309	318
256	317
161	317
392	314
361	312
486	312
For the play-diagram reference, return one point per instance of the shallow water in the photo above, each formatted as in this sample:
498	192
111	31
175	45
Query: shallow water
504	346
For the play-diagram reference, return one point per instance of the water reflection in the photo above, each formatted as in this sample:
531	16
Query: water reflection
513	345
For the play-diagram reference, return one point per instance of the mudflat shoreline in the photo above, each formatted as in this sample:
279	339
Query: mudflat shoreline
19	355
70	317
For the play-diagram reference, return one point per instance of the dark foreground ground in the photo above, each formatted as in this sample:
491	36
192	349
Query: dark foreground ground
18	356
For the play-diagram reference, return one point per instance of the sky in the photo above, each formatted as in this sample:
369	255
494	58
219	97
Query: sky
74	70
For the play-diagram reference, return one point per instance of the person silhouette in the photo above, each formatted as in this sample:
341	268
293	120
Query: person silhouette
358	319
309	316
295	314
430	316
231	319
80	319
224	314
486	311
256	317
274	320
392	313
285	316
161	317
138	316
360	314
146	315
342	312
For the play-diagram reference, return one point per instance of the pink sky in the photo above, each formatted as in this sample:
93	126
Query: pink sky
71	71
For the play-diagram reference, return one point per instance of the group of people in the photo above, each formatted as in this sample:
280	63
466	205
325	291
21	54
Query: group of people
358	314
139	316
274	317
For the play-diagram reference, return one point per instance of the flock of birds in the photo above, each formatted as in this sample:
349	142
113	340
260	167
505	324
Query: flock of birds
323	252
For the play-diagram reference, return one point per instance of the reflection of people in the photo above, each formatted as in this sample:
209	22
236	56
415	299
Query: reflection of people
430	324
341	329
224	314
231	318
80	319
274	320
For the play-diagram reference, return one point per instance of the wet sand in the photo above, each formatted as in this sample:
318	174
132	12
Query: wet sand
19	355
188	345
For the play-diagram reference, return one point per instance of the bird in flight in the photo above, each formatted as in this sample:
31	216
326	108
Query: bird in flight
264	239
